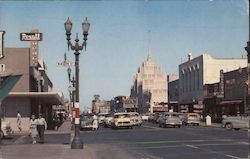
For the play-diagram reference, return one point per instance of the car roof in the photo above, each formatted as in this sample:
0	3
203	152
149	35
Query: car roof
133	113
120	113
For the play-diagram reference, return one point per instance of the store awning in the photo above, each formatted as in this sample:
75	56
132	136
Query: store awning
52	98
230	102
7	85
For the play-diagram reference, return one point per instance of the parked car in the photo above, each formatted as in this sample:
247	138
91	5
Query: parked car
235	122
108	119
6	129
86	121
192	119
101	117
170	119
121	120
156	117
182	117
136	119
151	117
145	117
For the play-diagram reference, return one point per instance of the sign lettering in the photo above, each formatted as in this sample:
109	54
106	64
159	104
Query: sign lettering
31	36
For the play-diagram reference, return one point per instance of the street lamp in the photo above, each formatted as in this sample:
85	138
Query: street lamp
247	48
77	143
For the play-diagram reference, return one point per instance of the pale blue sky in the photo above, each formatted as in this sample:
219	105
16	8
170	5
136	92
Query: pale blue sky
118	37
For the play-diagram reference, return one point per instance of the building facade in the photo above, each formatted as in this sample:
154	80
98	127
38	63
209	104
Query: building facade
173	95
33	93
195	73
149	87
124	104
100	106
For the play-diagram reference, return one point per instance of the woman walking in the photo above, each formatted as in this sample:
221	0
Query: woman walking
19	118
33	128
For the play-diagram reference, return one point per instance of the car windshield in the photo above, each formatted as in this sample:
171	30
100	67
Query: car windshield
122	116
86	117
109	115
193	115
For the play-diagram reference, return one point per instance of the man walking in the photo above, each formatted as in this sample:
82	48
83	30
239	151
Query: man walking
41	127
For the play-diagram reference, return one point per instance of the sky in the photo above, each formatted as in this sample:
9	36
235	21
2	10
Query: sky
118	37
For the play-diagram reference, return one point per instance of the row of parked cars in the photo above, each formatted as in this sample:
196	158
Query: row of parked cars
174	119
113	120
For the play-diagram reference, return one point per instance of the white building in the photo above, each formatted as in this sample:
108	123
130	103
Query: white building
195	73
150	86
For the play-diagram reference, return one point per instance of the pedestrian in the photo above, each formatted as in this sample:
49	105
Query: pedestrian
19	121
33	128
41	127
95	122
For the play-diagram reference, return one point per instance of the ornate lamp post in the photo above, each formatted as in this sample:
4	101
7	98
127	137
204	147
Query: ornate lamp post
247	48
77	143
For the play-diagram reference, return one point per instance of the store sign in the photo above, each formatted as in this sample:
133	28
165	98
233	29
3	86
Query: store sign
1	44
31	36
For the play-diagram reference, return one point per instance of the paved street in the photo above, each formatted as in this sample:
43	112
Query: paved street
146	142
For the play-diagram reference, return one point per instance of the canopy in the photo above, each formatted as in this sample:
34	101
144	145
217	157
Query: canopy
7	85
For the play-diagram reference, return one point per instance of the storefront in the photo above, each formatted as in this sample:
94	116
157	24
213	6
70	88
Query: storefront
27	103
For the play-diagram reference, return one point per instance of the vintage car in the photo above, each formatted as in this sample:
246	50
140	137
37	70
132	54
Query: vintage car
235	122
121	120
156	117
86	121
151	117
136	118
108	119
6	130
192	119
170	119
101	117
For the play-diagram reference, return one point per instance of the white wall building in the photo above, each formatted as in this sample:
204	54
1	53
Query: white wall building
150	86
204	69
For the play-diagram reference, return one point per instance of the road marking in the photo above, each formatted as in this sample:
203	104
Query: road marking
179	141
192	146
151	127
212	151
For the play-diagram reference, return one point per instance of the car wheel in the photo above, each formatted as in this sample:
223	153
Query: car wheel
229	126
179	126
160	125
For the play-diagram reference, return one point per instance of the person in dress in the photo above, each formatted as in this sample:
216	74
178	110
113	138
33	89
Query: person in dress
41	127
95	122
19	121
33	128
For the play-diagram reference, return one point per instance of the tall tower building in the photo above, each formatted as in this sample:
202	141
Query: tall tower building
149	86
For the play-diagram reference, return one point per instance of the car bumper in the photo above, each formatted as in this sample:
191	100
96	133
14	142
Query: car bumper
123	124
